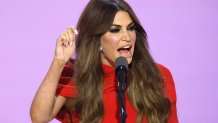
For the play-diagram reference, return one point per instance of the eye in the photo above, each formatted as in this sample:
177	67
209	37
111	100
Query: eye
131	28
115	30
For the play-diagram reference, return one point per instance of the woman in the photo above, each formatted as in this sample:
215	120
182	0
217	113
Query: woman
84	89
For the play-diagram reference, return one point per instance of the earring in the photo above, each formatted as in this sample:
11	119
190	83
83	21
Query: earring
100	48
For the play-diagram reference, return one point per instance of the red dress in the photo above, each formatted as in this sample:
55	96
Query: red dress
66	88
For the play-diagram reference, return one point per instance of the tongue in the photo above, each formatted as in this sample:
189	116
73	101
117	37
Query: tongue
122	51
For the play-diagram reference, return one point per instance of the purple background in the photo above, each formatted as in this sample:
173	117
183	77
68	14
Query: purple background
182	36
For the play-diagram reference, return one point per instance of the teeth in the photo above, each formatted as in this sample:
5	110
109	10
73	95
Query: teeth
126	47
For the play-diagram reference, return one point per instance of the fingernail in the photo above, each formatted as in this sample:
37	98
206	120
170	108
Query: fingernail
70	43
76	31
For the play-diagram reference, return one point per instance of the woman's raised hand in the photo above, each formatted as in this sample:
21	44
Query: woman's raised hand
46	105
65	45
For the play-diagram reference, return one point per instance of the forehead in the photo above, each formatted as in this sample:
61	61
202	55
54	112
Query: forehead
122	18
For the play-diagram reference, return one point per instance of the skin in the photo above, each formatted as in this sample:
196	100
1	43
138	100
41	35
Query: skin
46	104
121	34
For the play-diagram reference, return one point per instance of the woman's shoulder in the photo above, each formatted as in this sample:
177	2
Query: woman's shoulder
169	85
163	69
170	92
66	86
166	73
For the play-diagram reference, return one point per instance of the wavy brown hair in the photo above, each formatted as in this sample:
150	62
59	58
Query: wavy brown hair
145	84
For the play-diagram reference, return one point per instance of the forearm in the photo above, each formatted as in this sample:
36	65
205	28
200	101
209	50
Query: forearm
44	100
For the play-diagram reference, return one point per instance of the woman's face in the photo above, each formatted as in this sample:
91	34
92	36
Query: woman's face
119	40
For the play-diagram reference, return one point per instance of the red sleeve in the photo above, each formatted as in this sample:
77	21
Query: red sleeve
66	86
170	91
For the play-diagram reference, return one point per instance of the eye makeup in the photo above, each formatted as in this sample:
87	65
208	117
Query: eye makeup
116	28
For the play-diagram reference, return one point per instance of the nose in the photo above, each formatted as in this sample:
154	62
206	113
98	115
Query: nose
126	36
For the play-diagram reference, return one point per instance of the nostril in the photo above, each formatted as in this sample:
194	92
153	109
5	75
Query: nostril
126	36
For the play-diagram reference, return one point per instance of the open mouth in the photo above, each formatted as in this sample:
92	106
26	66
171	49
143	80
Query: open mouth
125	51
126	48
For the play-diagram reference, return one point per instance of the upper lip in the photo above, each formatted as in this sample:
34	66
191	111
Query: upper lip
128	46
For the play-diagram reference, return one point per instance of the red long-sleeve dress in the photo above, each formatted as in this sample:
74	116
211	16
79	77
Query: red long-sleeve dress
66	88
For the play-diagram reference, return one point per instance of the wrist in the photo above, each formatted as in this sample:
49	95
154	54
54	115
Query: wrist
58	62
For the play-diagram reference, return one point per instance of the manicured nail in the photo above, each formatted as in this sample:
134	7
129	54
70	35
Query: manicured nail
70	43
76	31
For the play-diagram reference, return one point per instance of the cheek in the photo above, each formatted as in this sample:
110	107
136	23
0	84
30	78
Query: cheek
109	43
109	46
133	36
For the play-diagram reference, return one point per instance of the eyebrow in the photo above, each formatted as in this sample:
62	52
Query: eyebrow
131	24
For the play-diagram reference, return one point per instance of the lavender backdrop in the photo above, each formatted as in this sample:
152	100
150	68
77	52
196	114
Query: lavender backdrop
182	36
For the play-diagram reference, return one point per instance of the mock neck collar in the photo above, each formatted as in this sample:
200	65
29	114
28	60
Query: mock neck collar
108	69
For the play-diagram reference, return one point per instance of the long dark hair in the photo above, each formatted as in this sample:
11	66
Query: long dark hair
145	89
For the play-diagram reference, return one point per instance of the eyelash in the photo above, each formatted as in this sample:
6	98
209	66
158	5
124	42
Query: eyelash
116	30
132	28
